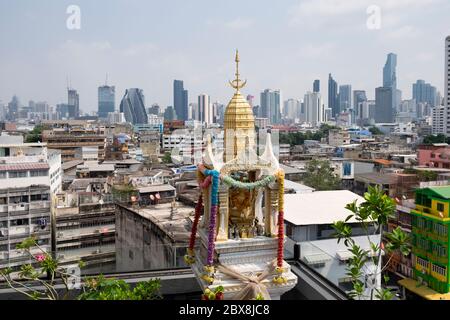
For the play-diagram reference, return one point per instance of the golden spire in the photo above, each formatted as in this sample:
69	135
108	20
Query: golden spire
237	83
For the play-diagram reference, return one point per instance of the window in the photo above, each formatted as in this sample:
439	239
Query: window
18	174
19	222
38	173
422	262
3	175
439	270
440	207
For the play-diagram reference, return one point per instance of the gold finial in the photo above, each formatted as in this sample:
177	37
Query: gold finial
237	83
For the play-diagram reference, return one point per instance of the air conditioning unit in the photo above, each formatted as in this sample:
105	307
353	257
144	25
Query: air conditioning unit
60	234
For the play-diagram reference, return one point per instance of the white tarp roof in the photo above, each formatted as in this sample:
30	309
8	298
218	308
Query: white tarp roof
319	207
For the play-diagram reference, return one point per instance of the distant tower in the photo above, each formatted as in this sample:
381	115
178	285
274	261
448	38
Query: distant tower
316	86
133	106
73	102
333	102
180	100
106	100
447	82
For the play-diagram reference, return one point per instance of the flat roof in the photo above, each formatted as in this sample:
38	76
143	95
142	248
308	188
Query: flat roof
71	164
289	170
288	184
156	188
319	207
176	225
124	161
377	177
96	167
422	290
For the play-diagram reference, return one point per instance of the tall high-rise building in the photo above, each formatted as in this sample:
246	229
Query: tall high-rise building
271	105
386	113
316	86
205	108
180	100
154	109
359	96
133	106
314	109
73	103
106	100
447	83
438	119
291	109
345	97
384	105
169	113
425	92
333	102
13	108
389	71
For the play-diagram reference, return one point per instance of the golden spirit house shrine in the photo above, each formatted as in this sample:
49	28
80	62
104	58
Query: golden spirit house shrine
239	214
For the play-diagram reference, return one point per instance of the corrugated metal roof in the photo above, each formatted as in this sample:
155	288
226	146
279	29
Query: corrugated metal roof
24	166
156	188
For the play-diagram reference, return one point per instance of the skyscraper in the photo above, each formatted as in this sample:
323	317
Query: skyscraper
345	97
447	82
291	109
384	105
169	113
106	100
13	108
205	108
316	86
384	112
73	102
425	92
271	105
333	102
133	106
314	109
389	71
180	100
359	96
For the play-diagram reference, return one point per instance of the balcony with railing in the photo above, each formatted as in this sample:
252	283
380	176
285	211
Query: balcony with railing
19	231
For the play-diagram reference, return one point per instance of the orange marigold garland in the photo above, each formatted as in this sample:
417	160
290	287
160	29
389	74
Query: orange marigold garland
189	258
280	279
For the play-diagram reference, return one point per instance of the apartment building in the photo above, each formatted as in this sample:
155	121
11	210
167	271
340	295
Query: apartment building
29	174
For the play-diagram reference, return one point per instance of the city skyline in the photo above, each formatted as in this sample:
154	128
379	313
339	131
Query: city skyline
138	56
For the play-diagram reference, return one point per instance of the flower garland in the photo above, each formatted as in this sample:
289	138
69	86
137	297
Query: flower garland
205	183
280	279
189	258
247	185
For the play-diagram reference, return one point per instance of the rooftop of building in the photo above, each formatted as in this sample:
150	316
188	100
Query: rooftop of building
95	166
290	170
84	183
176	225
319	207
122	161
377	177
156	188
71	164
297	187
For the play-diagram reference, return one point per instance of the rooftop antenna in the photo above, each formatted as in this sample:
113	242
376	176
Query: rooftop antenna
106	81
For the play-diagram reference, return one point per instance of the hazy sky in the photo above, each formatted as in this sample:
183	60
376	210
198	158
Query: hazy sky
283	45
